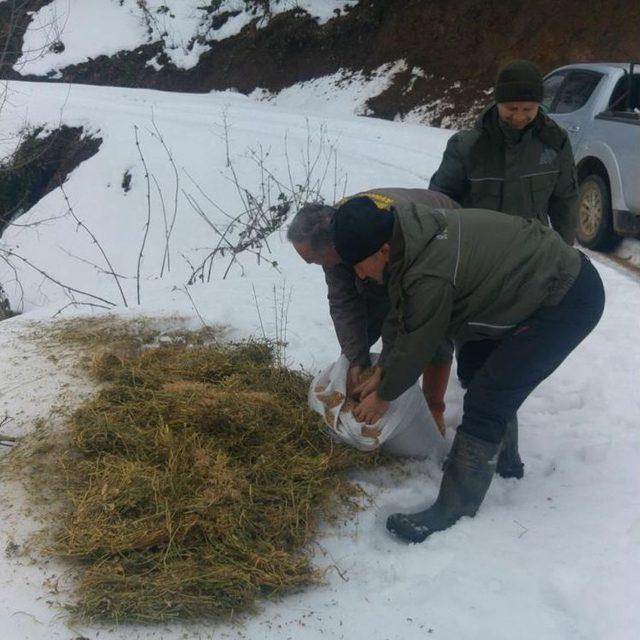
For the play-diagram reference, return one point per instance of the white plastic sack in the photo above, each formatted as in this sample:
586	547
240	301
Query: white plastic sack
406	429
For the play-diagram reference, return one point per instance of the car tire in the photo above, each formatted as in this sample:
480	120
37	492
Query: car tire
595	222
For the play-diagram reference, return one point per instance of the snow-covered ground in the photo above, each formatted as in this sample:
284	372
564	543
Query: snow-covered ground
554	556
342	92
629	251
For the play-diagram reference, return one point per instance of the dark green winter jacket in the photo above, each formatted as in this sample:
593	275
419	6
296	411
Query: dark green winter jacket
358	308
464	274
529	173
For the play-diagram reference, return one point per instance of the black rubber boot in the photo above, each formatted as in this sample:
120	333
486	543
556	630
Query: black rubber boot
509	463
467	476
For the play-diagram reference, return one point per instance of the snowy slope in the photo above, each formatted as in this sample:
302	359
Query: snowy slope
554	556
90	28
82	30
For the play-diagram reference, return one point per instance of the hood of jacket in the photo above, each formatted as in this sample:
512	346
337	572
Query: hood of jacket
413	233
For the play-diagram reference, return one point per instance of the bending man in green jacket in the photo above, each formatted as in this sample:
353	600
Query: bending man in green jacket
518	161
359	308
466	275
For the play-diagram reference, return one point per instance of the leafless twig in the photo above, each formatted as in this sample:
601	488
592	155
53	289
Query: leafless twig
8	254
166	258
148	222
79	304
111	271
195	308
264	208
255	300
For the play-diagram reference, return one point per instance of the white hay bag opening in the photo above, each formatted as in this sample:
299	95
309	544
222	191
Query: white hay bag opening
406	429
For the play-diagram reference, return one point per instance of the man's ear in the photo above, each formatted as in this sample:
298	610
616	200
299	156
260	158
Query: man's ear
385	250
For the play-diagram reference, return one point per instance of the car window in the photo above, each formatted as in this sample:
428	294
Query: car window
551	86
575	91
626	95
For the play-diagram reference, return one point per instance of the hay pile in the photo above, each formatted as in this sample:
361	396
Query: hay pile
194	482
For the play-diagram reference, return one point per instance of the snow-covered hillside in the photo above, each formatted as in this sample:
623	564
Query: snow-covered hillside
72	32
554	556
104	27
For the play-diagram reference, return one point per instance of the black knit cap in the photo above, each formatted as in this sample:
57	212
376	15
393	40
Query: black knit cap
519	81
360	229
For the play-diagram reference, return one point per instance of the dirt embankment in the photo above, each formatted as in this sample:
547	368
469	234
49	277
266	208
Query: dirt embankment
457	45
41	163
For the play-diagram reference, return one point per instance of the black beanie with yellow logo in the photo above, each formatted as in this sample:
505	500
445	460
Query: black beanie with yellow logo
360	229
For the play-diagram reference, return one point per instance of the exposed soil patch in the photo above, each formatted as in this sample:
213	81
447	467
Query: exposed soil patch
40	164
452	49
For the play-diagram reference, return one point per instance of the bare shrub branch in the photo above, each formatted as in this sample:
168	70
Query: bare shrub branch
148	222
281	303
266	207
195	308
10	253
111	271
166	258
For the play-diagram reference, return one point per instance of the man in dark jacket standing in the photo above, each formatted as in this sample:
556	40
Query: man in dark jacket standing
465	274
518	161
359	308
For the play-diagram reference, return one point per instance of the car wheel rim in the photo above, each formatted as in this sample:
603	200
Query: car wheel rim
590	212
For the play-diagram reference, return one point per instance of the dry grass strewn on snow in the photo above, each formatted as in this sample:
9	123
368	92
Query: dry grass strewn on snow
193	481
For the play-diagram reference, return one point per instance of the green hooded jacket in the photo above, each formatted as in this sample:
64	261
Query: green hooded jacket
464	274
529	173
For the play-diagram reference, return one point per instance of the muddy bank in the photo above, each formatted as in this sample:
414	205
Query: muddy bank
40	164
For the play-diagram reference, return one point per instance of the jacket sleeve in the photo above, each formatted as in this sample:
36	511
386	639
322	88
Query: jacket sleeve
451	176
442	354
348	311
563	203
388	334
422	322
